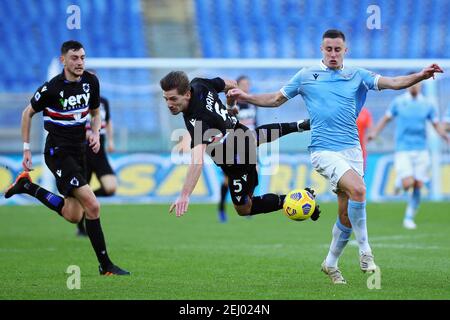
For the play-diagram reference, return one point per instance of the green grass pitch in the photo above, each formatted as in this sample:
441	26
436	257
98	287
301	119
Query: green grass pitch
195	257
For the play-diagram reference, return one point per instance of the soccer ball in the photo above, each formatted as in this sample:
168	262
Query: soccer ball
299	205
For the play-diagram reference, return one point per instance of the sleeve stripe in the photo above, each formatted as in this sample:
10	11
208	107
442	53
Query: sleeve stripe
375	82
284	94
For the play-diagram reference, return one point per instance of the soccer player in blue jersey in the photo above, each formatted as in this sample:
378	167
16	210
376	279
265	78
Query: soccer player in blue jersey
412	160
334	95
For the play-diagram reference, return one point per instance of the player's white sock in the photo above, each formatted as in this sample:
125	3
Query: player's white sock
357	216
413	204
341	234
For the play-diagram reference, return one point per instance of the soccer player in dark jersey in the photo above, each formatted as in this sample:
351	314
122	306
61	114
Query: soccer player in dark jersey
98	162
231	145
247	117
66	100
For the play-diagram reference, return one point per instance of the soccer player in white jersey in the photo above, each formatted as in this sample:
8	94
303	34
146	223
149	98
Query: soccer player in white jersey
412	160
334	95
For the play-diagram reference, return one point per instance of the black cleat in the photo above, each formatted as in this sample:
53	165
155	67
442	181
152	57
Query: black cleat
18	185
316	213
112	270
304	125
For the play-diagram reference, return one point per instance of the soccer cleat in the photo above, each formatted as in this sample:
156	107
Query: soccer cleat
18	185
303	125
112	270
367	262
334	274
409	224
222	216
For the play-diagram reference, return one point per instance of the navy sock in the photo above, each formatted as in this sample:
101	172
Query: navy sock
271	132
268	202
49	199
100	192
223	195
95	233
81	225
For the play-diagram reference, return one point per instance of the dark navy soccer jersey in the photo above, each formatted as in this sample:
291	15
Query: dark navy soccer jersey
206	118
66	105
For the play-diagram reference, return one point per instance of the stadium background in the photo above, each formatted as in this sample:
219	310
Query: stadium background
32	32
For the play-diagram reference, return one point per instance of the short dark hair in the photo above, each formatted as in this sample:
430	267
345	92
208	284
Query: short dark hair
242	77
333	33
175	80
70	45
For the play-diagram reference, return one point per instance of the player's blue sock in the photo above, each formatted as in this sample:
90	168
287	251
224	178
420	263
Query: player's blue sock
341	235
357	216
413	204
49	199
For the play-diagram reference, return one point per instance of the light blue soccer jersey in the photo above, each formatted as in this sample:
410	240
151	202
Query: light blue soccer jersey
411	115
334	99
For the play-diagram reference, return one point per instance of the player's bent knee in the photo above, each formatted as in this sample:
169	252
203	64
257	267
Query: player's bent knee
359	192
244	210
93	209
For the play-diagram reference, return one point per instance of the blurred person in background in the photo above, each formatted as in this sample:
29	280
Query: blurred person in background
246	116
412	159
364	124
98	163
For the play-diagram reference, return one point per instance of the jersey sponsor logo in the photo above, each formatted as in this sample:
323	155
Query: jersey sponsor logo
244	177
59	172
315	75
75	102
238	198
192	121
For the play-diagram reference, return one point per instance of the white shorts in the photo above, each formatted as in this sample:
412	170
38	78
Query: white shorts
412	164
333	164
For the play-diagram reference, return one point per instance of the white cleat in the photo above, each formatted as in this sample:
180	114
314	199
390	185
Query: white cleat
409	224
367	263
334	274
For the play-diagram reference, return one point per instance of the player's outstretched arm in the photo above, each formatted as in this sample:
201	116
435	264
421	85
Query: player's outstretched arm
440	129
195	170
378	128
403	82
27	114
269	100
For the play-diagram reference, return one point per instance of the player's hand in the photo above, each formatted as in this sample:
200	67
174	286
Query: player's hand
237	94
371	136
446	138
27	163
316	213
94	141
180	205
429	72
111	147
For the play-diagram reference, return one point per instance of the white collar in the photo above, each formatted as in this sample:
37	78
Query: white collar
325	68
